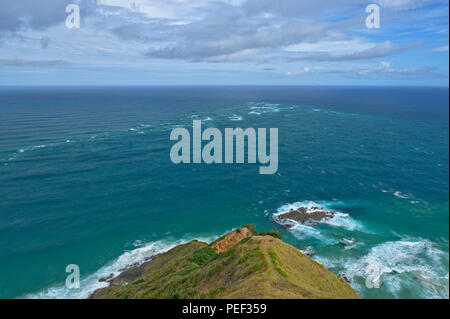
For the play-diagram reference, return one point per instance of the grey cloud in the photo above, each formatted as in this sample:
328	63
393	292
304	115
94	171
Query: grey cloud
16	15
382	70
45	42
377	51
229	36
254	32
296	7
129	32
33	63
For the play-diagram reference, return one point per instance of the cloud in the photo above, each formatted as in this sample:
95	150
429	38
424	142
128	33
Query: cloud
15	15
45	42
377	50
401	5
257	34
212	39
305	70
382	70
33	63
251	30
337	46
442	49
20	15
218	30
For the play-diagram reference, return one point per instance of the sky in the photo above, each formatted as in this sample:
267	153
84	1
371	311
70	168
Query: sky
224	42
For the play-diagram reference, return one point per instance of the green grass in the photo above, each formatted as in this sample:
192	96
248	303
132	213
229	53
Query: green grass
258	267
202	256
139	281
275	234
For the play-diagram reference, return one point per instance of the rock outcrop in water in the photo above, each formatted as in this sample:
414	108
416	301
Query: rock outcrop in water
243	264
305	214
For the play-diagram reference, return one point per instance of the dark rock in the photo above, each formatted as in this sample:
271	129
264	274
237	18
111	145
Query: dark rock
345	278
347	242
309	251
303	214
107	278
128	275
287	226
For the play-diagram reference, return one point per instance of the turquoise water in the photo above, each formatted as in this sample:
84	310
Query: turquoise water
86	179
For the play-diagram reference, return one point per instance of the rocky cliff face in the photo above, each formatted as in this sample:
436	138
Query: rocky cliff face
240	264
231	239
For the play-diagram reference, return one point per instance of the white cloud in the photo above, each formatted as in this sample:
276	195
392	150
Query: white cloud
403	4
305	70
332	47
282	35
373	71
372	51
442	49
168	9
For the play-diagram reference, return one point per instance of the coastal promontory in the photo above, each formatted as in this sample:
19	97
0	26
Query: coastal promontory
242	264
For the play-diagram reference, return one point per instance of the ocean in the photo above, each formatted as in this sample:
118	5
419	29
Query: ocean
86	179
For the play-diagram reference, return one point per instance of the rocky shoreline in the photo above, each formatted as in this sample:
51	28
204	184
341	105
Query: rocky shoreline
135	271
126	275
304	215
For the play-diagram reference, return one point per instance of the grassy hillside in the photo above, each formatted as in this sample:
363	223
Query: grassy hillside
251	267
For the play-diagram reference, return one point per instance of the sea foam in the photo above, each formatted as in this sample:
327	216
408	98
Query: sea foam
340	219
134	257
400	265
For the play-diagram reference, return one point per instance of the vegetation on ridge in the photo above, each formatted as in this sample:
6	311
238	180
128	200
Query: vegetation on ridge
255	267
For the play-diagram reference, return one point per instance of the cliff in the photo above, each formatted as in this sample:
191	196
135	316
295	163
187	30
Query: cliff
238	265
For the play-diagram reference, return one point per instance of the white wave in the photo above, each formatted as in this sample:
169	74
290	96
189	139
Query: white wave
128	259
21	151
235	117
350	244
308	251
399	194
345	221
310	206
139	129
262	107
36	147
340	219
303	231
416	265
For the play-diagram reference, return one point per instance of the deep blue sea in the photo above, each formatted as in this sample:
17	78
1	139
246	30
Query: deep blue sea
86	178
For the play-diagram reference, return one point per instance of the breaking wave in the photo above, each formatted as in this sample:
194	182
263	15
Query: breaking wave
128	259
401	265
340	219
